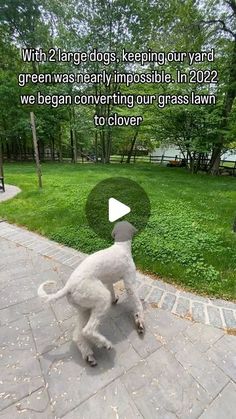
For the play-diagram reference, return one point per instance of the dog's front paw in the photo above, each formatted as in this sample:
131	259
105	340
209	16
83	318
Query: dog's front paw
115	301
139	324
91	360
108	345
140	328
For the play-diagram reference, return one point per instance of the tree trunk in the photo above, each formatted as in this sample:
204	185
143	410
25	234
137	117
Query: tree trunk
96	145
1	159
36	149
52	149
132	147
215	160
227	107
108	145
60	145
190	160
73	137
102	140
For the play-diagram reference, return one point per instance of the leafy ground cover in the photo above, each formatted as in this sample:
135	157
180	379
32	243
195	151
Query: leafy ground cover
188	241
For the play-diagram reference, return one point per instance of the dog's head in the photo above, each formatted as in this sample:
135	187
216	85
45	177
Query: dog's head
123	231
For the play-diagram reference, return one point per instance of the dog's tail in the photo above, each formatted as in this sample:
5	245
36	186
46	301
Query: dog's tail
46	298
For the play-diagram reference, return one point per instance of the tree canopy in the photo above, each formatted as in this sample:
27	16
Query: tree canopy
111	25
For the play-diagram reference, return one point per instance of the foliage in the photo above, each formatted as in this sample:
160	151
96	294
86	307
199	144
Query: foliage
110	26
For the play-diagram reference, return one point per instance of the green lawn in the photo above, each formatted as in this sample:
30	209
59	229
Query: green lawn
188	240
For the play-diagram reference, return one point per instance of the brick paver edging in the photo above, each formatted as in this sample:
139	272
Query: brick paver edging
218	313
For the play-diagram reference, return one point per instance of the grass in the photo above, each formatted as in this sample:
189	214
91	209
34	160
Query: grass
188	241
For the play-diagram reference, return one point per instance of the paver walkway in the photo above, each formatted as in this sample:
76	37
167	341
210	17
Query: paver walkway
10	192
179	369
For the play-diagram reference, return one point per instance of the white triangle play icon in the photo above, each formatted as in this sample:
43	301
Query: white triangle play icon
116	209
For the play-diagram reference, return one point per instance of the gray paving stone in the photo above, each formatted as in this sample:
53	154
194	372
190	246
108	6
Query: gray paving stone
23	237
223	406
20	369
230	319
22	285
46	330
145	279
71	381
164	286
9	234
155	295
16	311
18	237
6	259
144	344
51	251
122	346
40	246
164	389
223	303
230	341
67	326
6	245
223	353
16	272
179	343
143	291
205	372
214	316
198	312
194	297
112	402
168	302
74	262
158	319
16	291
203	336
47	275
35	406
62	270
183	307
123	306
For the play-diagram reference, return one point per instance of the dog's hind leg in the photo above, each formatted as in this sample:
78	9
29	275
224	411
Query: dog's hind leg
81	342
90	331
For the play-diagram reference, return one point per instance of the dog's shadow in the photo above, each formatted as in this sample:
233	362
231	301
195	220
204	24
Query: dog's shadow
117	327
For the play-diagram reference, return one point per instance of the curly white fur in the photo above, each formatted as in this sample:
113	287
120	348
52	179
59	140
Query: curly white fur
90	289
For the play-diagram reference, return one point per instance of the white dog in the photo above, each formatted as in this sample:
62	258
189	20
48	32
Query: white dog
90	290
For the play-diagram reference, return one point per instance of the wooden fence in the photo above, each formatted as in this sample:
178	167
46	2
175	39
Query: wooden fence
226	166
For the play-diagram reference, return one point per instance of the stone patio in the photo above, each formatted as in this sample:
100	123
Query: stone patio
183	367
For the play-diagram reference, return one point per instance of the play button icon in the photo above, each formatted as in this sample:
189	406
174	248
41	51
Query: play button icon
117	210
113	199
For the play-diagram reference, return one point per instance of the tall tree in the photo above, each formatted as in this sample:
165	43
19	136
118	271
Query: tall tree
222	23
